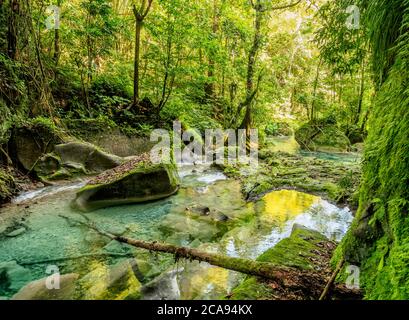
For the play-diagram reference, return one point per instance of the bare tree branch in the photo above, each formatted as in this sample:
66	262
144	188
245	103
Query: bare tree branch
147	9
286	6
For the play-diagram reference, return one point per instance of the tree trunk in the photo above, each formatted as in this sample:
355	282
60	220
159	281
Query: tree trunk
138	28
140	15
247	121
12	30
361	93
56	46
314	96
210	86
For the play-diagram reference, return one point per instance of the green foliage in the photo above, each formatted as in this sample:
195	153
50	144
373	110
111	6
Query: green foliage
190	113
109	92
342	47
379	238
13	95
279	129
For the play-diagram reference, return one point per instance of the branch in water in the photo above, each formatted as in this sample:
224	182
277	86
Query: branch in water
246	266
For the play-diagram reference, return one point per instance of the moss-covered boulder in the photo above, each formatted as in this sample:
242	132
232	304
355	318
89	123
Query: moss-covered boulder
322	136
73	159
135	181
86	155
32	140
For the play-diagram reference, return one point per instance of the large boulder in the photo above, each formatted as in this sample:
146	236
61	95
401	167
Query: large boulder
31	141
75	158
322	136
8	186
137	180
90	157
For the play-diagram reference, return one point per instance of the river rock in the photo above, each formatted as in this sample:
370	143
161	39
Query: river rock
73	159
134	182
37	290
16	232
32	141
88	155
164	287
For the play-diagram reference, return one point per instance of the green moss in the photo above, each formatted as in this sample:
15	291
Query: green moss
252	289
378	241
296	251
322	135
335	180
7	186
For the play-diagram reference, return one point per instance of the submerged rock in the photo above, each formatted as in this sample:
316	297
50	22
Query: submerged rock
135	181
13	276
164	287
182	229
16	232
37	290
110	282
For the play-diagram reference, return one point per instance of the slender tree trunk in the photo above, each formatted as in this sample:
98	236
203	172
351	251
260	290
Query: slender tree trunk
361	93
210	86
314	96
57	52
56	46
138	28
251	91
140	16
12	29
251	65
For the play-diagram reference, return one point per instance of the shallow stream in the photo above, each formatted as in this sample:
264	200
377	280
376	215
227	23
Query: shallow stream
208	212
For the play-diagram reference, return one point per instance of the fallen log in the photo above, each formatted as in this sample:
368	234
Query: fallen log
246	266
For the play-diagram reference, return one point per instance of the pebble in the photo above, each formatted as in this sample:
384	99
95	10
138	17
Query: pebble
16	233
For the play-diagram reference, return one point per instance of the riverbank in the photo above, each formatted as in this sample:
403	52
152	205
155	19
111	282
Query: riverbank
37	236
283	165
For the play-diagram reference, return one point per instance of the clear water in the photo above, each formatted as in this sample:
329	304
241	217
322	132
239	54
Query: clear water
250	229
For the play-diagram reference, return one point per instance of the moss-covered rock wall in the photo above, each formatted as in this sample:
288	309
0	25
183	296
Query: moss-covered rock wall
379	239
